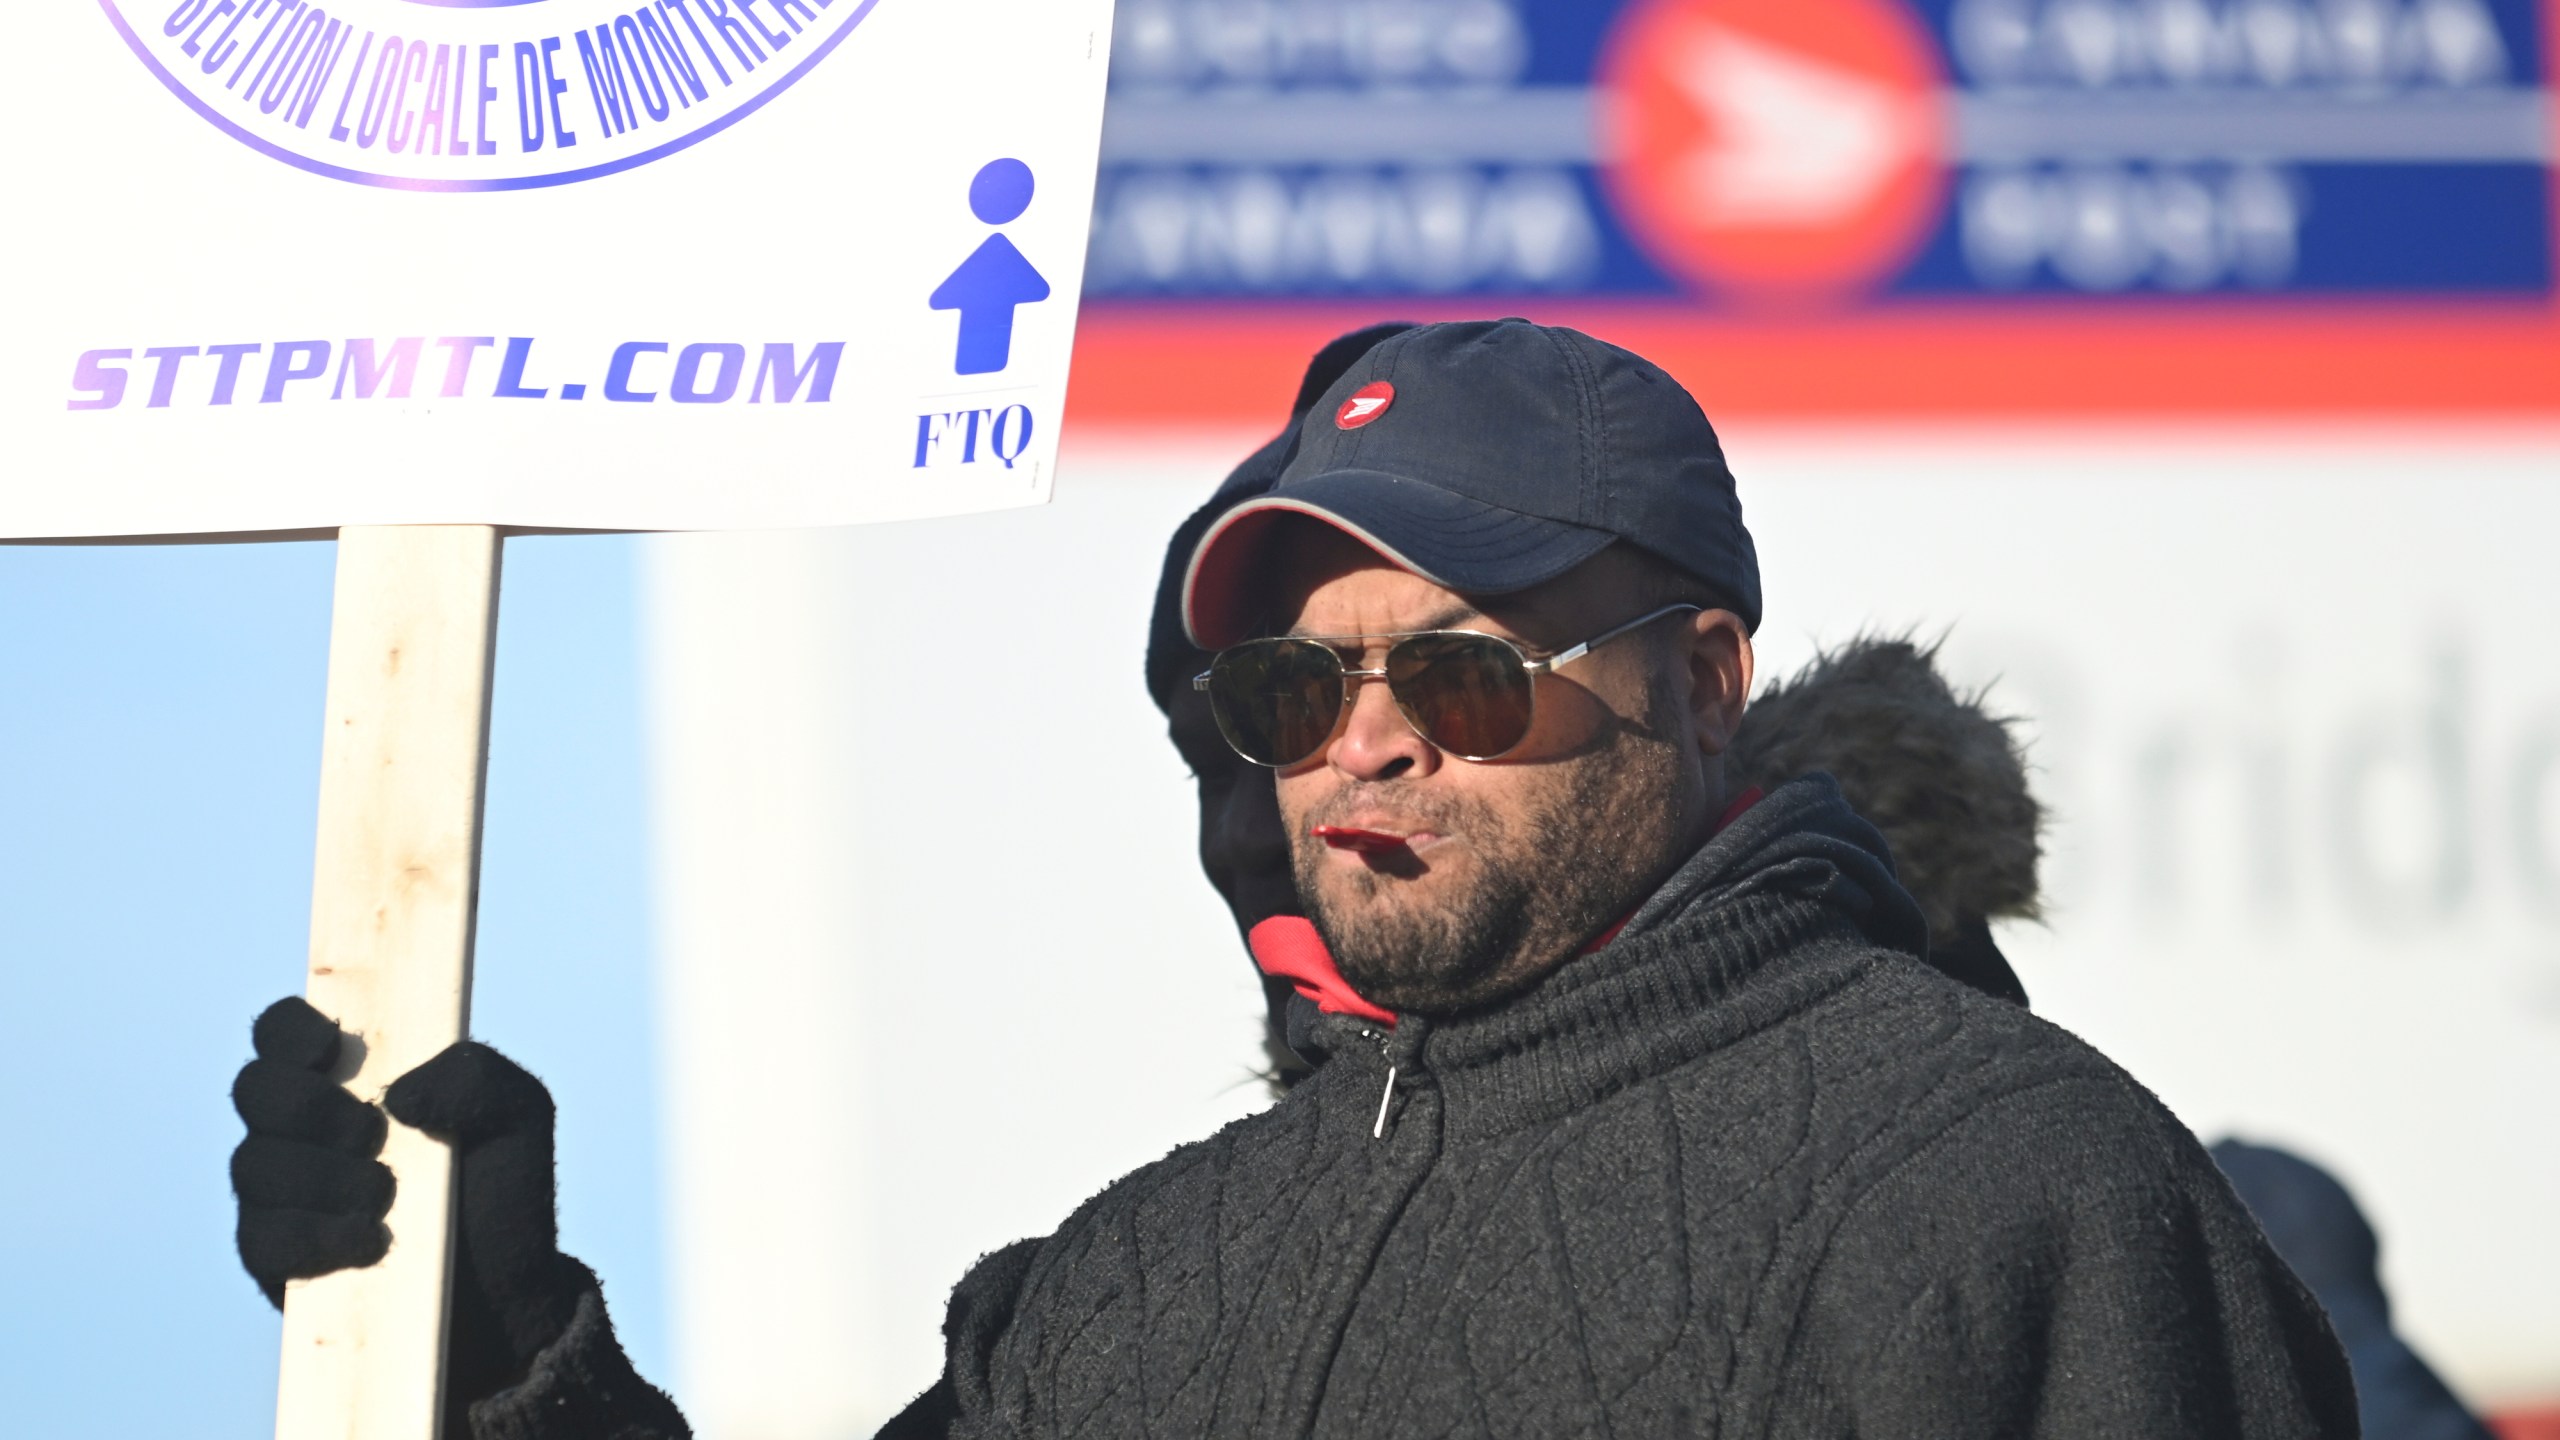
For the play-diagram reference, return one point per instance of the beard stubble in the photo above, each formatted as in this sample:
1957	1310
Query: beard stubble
1573	858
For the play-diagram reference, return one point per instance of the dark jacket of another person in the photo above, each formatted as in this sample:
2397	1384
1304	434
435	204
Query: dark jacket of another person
2319	1230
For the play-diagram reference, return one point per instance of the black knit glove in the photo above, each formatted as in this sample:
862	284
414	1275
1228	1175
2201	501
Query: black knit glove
312	1197
513	1291
311	1194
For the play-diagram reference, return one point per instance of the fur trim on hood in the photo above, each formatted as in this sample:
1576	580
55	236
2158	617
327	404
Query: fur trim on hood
1944	779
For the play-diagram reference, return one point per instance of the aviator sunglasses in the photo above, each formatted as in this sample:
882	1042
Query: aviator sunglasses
1278	700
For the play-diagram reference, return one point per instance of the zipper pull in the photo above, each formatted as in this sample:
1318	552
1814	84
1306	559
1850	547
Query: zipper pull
1379	1131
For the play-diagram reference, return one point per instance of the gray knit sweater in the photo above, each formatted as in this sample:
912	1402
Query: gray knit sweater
1750	1170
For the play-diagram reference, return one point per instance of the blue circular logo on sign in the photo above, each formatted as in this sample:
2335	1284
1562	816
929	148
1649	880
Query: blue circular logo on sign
479	94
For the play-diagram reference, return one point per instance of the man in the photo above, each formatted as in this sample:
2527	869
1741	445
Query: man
1642	1115
1746	1166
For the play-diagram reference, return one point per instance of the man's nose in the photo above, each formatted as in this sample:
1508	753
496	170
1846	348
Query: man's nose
1376	742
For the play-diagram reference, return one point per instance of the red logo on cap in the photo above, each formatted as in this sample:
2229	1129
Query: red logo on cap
1366	404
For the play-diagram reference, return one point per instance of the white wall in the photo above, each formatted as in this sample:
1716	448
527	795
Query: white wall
939	962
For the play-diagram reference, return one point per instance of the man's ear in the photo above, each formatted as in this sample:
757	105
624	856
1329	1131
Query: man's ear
1719	677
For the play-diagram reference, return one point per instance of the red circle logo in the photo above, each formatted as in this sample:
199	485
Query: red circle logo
1777	149
1366	404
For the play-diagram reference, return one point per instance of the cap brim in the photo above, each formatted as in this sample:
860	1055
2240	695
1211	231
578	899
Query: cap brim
1446	538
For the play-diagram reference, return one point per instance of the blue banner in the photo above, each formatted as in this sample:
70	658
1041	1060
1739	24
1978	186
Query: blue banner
1827	152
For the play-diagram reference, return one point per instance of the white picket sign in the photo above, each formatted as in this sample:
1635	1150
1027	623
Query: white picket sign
412	272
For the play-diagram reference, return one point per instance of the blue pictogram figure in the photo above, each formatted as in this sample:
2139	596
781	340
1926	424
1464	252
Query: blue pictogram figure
995	278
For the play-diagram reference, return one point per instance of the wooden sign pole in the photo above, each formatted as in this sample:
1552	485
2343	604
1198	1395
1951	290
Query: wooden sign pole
411	639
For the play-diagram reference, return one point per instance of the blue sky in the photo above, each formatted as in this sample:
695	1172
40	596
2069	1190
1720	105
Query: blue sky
159	745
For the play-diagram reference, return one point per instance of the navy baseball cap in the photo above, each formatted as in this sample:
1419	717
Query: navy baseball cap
1487	456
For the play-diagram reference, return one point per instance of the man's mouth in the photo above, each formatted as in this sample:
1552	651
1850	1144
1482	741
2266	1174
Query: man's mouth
1369	840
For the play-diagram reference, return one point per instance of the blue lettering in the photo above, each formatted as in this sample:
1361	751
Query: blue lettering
780	363
94	376
605	82
295	50
454	144
1003	433
557	87
431	128
457	361
635	54
218	54
192	41
401	367
747	8
414	60
684	390
283	64
681	76
338	126
181	17
281	10
528	108
1020	439
709	55
929	431
333	43
511	371
481	144
293	360
248	12
283	22
164	379
617	377
733	34
227	377
369	123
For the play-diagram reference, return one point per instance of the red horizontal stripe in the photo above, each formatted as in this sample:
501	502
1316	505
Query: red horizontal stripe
1200	365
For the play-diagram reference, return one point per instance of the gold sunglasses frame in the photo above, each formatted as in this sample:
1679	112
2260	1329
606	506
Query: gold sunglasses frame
1352	678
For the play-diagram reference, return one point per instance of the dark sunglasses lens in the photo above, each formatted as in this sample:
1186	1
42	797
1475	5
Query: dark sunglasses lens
1276	700
1467	694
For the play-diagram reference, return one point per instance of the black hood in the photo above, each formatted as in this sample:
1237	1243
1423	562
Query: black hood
1800	839
1938	772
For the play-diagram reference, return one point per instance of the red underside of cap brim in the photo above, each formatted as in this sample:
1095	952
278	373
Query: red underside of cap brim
1455	542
